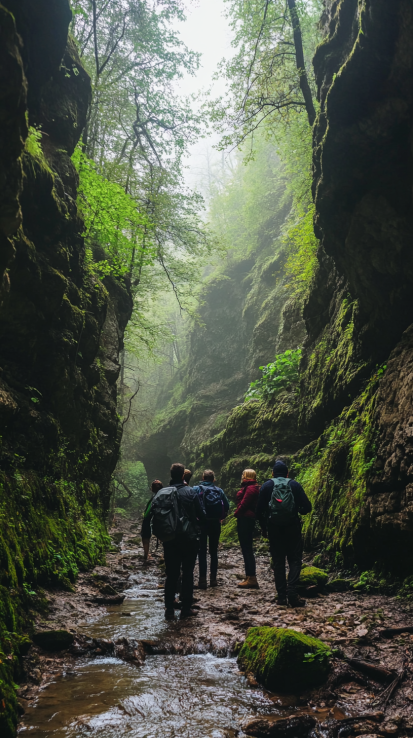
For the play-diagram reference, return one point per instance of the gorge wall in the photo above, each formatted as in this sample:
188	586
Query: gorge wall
61	331
347	434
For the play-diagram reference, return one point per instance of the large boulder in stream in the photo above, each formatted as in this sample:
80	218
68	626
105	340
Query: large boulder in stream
284	660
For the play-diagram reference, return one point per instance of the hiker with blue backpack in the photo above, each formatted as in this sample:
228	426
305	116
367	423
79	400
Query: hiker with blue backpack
216	506
280	503
176	513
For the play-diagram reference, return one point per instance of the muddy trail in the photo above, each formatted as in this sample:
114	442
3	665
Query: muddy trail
124	670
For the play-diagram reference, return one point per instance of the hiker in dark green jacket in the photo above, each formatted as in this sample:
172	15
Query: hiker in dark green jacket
284	534
146	523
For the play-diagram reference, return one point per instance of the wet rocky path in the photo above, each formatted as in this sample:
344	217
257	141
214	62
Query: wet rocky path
130	672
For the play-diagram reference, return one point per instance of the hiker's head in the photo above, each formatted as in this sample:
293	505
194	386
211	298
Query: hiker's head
156	485
187	475
208	475
280	469
249	475
177	472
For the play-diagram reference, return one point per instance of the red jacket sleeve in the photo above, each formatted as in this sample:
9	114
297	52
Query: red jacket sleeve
249	501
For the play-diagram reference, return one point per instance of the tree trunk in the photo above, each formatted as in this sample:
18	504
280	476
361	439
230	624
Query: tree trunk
299	60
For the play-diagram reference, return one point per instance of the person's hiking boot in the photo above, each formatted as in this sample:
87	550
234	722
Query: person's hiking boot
213	582
296	601
187	614
202	583
249	583
281	601
169	613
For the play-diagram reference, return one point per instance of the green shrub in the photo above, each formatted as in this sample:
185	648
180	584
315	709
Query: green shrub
277	376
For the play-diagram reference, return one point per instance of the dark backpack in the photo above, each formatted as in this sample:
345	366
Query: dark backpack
282	510
212	502
165	512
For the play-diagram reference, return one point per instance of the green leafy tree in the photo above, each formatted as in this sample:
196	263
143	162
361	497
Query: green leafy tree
131	485
269	76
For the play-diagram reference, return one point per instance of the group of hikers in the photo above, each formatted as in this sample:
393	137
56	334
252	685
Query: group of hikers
187	520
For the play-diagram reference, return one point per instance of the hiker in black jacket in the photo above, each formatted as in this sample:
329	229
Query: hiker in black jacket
183	550
285	540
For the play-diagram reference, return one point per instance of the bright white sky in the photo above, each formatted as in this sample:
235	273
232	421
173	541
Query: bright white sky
206	31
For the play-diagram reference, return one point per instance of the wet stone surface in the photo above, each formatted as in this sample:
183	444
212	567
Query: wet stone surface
131	672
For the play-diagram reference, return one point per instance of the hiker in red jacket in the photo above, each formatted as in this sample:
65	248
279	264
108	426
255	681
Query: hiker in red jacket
247	500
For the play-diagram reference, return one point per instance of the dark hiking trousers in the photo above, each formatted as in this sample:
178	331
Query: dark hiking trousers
245	528
180	553
210	532
286	543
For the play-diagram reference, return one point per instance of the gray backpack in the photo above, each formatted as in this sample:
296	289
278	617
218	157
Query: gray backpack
282	509
166	519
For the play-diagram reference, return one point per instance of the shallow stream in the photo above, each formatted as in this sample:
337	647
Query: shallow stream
168	696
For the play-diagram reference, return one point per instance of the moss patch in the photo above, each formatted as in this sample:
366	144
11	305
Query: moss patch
229	534
311	575
49	529
283	659
334	471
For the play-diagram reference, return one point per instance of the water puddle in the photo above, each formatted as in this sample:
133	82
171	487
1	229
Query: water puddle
169	696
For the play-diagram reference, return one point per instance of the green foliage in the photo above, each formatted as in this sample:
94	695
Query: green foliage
369	581
140	218
33	142
246	202
277	376
131	480
263	83
322	655
112	221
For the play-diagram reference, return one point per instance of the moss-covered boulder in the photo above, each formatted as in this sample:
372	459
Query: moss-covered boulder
339	585
312	576
53	640
283	659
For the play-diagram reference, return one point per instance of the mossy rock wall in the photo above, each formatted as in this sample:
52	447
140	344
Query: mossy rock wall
61	331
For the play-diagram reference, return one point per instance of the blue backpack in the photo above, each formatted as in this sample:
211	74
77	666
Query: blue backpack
212	502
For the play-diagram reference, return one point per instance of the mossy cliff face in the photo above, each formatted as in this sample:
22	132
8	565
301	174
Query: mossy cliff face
61	331
352	418
362	188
